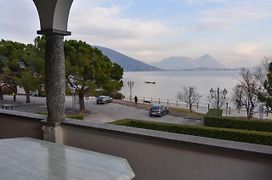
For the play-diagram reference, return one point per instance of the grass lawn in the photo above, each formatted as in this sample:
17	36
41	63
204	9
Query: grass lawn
185	113
71	116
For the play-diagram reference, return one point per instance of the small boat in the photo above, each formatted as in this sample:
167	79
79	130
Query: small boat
150	82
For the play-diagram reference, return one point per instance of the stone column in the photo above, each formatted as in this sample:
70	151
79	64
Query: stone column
53	16
55	86
55	77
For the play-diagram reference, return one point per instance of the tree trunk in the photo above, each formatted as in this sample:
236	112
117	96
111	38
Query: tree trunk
81	103
27	96
251	112
14	93
1	93
190	107
251	109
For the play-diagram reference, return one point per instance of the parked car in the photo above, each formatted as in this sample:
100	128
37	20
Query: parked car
158	110
103	99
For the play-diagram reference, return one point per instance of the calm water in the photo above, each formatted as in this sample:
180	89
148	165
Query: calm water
168	83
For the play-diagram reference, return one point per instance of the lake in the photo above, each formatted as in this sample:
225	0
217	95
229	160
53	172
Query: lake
168	83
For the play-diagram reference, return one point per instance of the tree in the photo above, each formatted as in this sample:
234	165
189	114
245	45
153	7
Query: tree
265	95
217	98
261	70
2	64
39	49
246	92
237	97
12	53
189	95
31	75
87	70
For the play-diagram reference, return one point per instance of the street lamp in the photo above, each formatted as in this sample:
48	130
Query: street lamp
130	85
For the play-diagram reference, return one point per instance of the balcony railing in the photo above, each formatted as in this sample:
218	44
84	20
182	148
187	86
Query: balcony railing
153	154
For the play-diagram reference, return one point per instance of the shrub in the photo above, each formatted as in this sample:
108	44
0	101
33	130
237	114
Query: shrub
7	91
212	132
238	123
117	95
215	112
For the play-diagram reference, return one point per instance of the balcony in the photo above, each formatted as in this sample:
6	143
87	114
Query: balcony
152	154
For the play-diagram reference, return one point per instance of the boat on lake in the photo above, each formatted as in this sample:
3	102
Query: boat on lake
150	82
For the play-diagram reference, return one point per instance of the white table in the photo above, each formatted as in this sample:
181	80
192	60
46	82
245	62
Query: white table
31	159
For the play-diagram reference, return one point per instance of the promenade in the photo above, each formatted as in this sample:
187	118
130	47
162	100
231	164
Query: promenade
100	113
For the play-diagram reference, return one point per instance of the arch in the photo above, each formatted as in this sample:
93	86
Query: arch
53	15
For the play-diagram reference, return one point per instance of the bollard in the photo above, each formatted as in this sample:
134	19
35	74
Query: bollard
159	101
229	110
227	105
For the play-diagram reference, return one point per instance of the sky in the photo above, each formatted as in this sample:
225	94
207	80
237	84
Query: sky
235	32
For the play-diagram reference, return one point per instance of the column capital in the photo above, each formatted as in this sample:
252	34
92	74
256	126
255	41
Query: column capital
53	15
54	31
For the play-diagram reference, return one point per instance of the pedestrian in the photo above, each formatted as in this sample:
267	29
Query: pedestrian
136	100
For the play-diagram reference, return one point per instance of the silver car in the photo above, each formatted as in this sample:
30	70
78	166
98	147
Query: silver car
158	110
103	99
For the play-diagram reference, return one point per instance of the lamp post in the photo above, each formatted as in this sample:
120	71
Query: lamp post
130	85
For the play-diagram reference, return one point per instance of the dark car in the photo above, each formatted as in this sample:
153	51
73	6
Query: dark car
158	110
103	100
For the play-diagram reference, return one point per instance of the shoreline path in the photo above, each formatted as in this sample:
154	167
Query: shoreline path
100	113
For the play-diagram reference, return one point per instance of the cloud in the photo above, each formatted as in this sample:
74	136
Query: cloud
108	27
248	49
207	26
102	21
19	20
202	2
227	16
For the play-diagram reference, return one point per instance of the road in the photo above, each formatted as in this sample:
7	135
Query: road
111	112
100	113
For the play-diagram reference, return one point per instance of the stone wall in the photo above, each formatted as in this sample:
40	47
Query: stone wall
153	154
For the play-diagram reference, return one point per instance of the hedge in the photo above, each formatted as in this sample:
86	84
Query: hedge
238	123
215	112
257	137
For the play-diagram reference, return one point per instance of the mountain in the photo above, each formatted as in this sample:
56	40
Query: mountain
207	61
128	63
175	62
181	63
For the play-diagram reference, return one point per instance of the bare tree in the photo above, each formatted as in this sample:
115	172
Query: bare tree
237	97
188	95
246	92
262	70
217	97
262	73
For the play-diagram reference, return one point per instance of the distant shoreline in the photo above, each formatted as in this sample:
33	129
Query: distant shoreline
194	69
